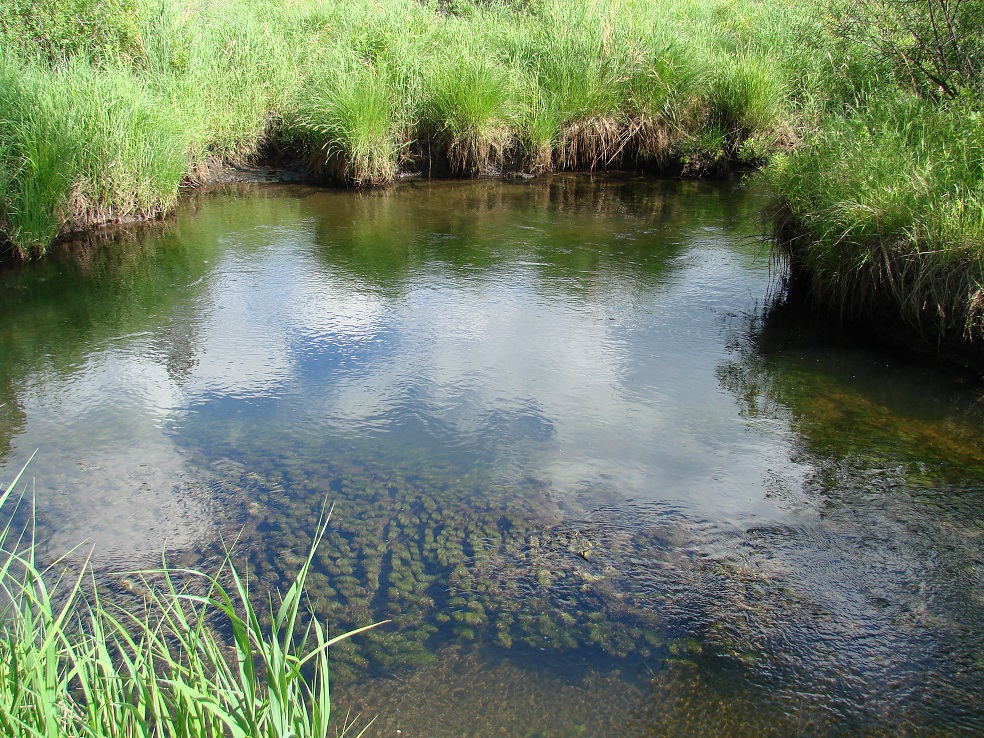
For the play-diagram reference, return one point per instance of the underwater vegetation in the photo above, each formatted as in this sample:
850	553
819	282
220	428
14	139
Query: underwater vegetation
458	558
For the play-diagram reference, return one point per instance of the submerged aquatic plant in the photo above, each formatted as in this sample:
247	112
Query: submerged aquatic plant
73	664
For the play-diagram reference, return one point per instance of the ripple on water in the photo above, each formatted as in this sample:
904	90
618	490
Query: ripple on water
595	492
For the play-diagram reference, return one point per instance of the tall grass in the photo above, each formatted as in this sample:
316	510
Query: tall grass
72	664
884	213
580	68
350	125
223	69
745	110
35	159
358	90
468	112
56	30
79	145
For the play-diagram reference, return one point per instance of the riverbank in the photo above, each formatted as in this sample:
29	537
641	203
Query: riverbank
107	121
880	222
110	108
880	213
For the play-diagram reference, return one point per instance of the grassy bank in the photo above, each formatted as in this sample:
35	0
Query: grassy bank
883	216
881	207
868	110
106	120
72	664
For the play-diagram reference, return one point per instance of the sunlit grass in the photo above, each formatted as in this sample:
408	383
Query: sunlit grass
74	664
108	123
360	89
80	146
350	124
468	111
886	208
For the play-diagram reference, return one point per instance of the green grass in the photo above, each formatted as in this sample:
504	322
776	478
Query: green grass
73	664
349	124
356	91
79	146
880	207
467	112
886	210
113	105
55	30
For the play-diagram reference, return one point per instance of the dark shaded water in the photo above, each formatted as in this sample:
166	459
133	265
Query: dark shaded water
595	491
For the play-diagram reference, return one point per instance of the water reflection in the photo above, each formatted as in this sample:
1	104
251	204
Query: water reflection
568	459
98	346
888	550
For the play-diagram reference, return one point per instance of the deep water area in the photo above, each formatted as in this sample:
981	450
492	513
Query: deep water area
598	478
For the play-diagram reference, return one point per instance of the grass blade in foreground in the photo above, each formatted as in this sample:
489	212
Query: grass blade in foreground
74	665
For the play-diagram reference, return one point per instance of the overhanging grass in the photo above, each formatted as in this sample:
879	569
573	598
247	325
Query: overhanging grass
467	112
105	125
350	125
885	212
480	89
80	146
72	664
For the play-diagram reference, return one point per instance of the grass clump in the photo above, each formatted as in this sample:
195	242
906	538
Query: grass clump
35	160
884	214
72	664
580	58
225	69
881	208
350	126
746	107
467	114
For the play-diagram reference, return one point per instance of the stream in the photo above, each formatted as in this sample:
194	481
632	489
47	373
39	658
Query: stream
600	479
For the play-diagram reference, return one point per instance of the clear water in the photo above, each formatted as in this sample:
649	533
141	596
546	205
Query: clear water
594	489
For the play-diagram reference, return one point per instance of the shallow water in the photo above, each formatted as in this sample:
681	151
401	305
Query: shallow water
596	491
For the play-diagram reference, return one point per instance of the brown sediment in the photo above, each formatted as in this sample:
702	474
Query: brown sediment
463	693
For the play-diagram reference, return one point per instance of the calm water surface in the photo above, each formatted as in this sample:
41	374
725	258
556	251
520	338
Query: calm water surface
596	491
